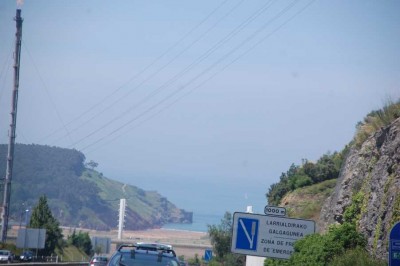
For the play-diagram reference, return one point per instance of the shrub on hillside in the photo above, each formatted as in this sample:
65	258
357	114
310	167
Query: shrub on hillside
327	167
375	120
319	249
354	257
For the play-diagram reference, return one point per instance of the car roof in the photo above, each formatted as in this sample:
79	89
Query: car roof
163	248
149	257
150	252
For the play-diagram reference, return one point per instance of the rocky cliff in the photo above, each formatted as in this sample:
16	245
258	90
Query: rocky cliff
369	182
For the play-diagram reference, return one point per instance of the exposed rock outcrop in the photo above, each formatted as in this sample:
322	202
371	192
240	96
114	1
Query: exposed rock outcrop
373	172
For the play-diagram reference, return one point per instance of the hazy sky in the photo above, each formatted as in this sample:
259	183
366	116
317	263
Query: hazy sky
205	101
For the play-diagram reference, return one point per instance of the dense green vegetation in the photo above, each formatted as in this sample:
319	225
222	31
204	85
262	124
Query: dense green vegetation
81	241
221	238
42	218
309	173
323	250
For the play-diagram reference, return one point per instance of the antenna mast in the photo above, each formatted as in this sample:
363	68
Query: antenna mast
7	181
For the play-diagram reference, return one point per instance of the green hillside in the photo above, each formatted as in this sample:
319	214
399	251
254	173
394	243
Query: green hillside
353	195
328	166
306	202
79	196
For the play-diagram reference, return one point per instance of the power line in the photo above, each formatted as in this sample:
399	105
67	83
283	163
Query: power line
213	65
148	79
106	98
176	77
47	92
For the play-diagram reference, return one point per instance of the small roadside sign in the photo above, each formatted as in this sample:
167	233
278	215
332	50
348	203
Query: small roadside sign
207	255
394	245
31	238
275	211
267	236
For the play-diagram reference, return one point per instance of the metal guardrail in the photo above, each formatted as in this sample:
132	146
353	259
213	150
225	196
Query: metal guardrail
50	264
48	261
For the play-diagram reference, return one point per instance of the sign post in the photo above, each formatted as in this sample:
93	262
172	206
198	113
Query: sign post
267	236
394	245
31	238
275	211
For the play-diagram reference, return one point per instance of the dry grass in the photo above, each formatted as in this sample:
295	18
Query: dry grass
376	120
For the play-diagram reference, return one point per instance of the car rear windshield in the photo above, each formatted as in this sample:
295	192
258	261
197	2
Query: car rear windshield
143	259
100	259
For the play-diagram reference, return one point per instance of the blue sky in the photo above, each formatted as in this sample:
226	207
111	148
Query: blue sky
205	101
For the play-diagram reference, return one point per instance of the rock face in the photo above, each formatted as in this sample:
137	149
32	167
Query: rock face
371	171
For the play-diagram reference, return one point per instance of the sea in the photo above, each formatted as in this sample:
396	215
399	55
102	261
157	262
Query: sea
208	201
203	219
200	223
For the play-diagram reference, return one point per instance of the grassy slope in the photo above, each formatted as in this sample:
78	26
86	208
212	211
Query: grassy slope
112	191
71	253
306	202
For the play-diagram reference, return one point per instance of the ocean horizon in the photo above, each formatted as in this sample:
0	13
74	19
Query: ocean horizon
200	223
208	201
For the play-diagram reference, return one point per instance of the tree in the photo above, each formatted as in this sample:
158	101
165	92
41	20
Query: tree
42	218
221	239
81	241
92	164
221	235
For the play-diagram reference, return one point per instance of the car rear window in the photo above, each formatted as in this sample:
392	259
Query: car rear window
100	259
143	259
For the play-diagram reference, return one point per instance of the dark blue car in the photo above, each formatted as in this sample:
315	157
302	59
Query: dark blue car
26	256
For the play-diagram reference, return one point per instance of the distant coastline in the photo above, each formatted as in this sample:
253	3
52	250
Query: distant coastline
200	223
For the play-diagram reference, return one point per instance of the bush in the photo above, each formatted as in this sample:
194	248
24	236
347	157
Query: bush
81	241
375	120
326	168
354	257
319	249
346	235
314	250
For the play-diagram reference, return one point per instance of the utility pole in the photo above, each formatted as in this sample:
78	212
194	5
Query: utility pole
7	181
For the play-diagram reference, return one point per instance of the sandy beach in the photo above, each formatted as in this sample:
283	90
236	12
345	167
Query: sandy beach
185	243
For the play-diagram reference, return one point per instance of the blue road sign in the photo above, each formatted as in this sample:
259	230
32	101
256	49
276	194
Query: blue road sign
208	255
394	246
266	235
247	232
